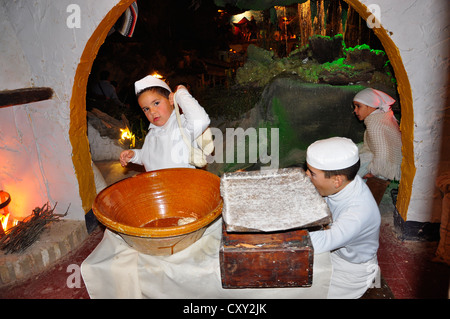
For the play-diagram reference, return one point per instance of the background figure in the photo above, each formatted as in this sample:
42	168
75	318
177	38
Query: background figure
104	88
381	152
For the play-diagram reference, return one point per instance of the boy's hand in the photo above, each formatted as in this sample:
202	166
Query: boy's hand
125	157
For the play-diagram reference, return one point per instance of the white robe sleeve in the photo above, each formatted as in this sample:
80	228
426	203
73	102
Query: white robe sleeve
341	232
137	158
196	120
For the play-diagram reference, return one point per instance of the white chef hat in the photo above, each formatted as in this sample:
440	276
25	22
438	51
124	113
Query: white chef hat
374	98
332	154
149	81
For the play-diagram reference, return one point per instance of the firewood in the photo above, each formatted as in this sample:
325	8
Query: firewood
26	232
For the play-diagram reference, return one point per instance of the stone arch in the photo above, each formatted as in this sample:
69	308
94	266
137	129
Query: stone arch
81	157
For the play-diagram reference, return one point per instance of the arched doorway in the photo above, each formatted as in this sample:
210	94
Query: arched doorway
81	156
78	136
407	123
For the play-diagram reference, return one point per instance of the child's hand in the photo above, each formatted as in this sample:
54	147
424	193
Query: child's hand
181	87
125	157
172	95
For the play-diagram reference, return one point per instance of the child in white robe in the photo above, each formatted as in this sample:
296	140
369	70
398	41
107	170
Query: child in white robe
164	146
353	236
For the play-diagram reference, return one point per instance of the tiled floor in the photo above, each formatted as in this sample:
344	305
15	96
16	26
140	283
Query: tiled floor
61	281
406	267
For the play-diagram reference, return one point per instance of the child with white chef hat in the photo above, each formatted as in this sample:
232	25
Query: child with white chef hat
353	236
164	146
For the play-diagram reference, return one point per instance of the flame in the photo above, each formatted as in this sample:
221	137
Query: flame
125	134
156	75
7	223
4	221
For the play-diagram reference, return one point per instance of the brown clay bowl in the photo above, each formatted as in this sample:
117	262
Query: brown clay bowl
144	209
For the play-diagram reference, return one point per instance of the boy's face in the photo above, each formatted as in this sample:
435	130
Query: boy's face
325	186
157	108
361	110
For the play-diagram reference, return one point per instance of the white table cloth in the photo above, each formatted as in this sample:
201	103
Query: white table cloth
115	270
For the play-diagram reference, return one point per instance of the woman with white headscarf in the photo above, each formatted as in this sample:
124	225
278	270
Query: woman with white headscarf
381	153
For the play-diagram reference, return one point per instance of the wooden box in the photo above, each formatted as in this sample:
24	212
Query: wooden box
266	260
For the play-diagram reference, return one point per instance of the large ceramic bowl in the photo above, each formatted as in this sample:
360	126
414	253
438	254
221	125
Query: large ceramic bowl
161	212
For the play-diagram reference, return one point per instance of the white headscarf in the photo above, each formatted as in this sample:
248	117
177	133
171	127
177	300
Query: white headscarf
375	99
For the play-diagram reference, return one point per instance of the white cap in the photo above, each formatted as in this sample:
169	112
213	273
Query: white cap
149	81
332	154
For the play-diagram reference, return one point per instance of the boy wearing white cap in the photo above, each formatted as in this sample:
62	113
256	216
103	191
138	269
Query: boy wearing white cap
163	146
352	238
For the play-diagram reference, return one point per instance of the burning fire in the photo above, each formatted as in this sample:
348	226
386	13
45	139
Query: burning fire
7	223
125	134
4	221
156	75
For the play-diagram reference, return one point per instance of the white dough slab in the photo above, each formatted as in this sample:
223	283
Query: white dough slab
271	200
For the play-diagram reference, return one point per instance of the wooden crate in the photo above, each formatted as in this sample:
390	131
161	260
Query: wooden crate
266	260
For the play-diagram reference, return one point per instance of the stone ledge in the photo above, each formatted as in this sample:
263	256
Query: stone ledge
57	240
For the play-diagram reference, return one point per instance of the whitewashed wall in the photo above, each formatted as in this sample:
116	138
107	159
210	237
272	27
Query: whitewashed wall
420	30
38	49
